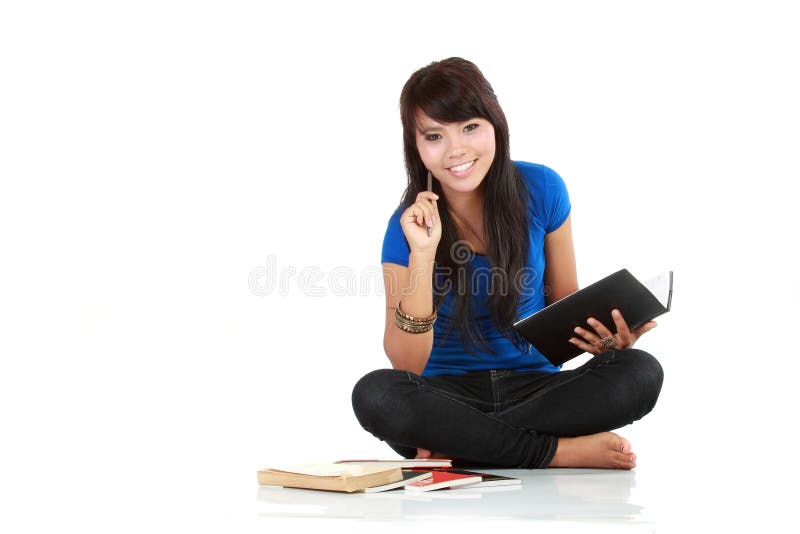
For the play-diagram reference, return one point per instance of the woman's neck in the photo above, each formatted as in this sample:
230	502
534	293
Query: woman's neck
468	205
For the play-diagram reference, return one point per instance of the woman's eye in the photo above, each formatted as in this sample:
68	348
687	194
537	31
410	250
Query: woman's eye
470	127
433	137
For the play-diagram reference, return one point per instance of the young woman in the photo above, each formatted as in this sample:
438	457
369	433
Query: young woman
490	243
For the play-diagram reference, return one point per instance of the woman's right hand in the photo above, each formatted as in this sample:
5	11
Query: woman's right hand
416	220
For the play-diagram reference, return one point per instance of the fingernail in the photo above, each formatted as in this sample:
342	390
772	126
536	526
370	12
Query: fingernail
577	330
615	313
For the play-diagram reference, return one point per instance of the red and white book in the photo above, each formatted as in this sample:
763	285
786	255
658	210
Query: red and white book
409	477
423	463
440	480
487	479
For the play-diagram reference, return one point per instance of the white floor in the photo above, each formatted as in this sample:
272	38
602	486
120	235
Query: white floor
125	497
575	500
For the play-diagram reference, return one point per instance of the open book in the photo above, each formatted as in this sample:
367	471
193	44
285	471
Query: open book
550	328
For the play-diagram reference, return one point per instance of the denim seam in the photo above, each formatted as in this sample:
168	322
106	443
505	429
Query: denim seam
538	394
447	394
552	441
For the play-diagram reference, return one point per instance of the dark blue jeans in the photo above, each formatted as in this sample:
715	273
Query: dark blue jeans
503	418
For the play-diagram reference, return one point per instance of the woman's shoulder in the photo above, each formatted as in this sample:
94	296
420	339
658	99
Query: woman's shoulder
535	174
549	199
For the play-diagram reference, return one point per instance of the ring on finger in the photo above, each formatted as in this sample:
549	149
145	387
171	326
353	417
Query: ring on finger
607	343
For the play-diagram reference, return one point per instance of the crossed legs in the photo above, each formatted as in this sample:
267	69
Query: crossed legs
508	419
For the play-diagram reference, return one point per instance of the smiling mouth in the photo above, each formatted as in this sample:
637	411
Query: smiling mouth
463	166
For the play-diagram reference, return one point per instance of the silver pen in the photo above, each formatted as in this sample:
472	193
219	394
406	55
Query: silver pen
430	188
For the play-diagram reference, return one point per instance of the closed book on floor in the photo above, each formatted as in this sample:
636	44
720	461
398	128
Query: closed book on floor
487	479
330	477
441	480
408	477
550	329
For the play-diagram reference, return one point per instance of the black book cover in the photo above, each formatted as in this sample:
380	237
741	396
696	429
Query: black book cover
550	328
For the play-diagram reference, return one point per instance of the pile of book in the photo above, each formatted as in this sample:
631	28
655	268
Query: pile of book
372	476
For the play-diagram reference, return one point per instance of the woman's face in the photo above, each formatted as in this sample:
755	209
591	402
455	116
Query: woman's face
458	154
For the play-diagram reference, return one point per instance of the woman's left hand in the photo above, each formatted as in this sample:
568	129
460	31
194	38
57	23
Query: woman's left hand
603	340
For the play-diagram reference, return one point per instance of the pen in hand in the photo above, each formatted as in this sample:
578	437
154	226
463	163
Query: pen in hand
430	188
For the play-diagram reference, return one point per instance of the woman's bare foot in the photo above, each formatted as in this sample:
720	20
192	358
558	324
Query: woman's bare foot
425	453
604	450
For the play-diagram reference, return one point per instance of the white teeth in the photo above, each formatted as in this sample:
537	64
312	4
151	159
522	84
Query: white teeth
462	167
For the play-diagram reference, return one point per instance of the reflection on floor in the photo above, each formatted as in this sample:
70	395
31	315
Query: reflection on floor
580	495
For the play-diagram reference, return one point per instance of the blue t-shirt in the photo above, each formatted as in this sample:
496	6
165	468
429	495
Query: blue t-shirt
549	207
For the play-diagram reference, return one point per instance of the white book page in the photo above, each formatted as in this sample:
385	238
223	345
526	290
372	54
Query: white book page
660	286
328	470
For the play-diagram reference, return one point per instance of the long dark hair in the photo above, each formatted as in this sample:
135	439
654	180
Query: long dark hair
455	90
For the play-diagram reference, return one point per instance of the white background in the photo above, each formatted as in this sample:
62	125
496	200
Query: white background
153	155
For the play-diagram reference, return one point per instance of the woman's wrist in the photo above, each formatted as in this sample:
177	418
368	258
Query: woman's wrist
421	257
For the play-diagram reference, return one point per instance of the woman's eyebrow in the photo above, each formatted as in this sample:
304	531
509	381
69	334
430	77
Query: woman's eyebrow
428	128
437	126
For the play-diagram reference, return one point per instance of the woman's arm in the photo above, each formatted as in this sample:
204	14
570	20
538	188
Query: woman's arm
412	286
560	272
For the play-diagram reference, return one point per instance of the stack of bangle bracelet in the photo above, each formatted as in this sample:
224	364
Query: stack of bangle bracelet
413	325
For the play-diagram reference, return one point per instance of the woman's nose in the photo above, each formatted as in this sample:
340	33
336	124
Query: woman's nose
456	149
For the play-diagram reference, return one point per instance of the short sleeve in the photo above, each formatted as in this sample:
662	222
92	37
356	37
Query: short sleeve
549	200
557	204
395	246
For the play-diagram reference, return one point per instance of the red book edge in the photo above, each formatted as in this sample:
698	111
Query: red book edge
440	477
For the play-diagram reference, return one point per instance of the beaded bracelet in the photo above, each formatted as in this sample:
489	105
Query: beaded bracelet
412	328
413	325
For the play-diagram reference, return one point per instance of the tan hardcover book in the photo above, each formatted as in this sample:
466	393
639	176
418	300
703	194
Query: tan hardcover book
330	477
